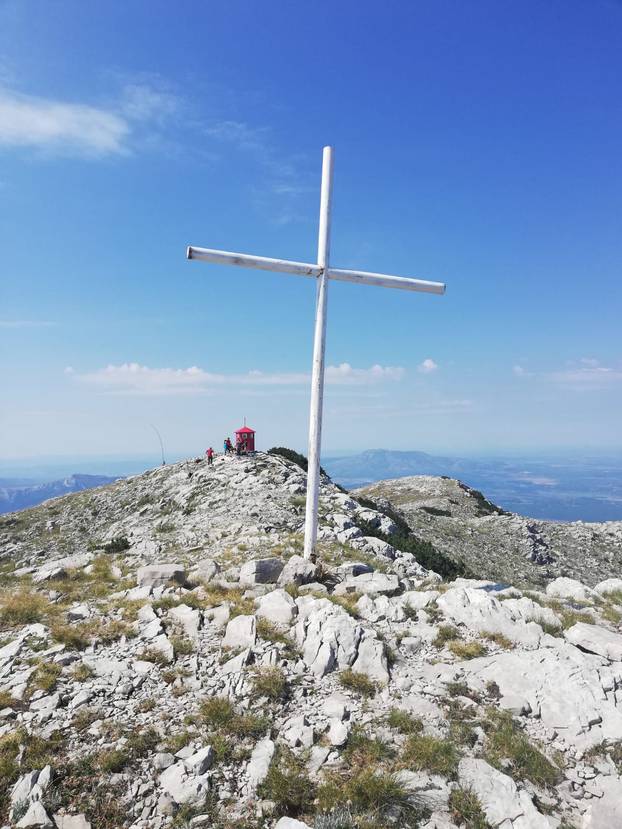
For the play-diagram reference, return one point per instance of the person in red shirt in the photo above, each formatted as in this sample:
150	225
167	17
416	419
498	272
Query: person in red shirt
210	456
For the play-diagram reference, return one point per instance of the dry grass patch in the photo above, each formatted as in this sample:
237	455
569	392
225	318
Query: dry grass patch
23	607
404	722
425	753
270	682
498	639
445	634
510	750
360	683
466	809
467	650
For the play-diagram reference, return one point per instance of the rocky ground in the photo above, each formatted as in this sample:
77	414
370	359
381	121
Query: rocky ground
460	521
167	659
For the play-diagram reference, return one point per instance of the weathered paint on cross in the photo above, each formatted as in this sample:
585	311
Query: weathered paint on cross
322	272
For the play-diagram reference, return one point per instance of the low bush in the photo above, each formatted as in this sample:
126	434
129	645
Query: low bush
117	545
403	539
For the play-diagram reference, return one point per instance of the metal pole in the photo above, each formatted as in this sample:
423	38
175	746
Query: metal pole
319	345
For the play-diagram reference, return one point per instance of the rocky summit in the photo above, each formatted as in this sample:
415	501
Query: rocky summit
168	658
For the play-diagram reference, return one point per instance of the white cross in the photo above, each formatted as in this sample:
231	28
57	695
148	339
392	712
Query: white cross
322	272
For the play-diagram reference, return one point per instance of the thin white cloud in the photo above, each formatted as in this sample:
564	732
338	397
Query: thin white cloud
71	128
26	323
428	366
133	378
581	375
588	374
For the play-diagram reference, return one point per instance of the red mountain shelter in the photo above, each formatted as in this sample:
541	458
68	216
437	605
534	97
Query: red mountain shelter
246	437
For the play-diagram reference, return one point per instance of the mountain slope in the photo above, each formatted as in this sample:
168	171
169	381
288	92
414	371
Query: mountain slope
168	660
494	544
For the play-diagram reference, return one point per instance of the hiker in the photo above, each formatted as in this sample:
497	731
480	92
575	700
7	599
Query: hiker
238	448
210	456
228	446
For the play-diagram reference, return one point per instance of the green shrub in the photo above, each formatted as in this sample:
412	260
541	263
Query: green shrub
182	645
364	751
376	797
293	456
118	545
498	639
404	539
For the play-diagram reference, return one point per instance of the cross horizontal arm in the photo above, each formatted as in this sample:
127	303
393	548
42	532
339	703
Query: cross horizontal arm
383	280
246	260
223	257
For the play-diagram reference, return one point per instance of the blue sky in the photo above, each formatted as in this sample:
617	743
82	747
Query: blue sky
475	143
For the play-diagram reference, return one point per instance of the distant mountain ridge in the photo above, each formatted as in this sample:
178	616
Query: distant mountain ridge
17	497
580	488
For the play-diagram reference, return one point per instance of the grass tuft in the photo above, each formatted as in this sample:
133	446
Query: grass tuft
360	683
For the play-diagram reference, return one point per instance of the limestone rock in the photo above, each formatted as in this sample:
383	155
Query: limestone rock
501	800
277	607
372	584
159	575
297	570
241	632
608	586
188	619
290	823
259	762
71	822
596	640
35	816
566	588
183	787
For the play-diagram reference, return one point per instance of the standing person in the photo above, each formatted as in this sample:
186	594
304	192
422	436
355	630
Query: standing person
225	446
210	456
229	446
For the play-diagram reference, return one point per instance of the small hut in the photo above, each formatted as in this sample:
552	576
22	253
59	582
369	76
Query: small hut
245	439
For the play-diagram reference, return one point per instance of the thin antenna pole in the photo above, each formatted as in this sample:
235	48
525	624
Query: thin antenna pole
161	444
319	349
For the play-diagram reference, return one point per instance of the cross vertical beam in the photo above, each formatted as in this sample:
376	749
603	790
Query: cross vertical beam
319	349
